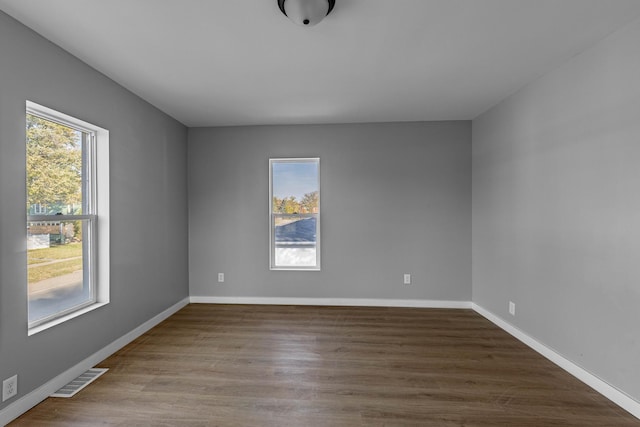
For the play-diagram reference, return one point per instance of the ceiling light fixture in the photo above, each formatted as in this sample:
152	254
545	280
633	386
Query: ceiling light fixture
306	12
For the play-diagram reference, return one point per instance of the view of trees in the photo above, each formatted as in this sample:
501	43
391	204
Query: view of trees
54	165
289	205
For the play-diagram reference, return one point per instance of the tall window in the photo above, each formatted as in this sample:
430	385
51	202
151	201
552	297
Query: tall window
67	194
294	206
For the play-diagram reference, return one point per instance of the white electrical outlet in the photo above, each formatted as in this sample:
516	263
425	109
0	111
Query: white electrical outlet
512	308
9	387
220	277
407	279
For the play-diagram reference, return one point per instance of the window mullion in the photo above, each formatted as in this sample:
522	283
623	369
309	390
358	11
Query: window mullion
57	218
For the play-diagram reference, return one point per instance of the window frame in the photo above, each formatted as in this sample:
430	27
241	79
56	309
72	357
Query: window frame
95	213
272	264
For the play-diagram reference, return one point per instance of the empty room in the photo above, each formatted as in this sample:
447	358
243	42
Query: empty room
320	213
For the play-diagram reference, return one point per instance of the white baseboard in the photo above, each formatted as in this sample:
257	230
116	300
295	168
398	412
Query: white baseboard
607	390
30	400
352	302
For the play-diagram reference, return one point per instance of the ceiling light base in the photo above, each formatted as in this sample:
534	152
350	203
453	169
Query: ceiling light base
306	13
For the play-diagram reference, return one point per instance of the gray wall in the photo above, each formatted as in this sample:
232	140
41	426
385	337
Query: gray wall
149	266
395	199
556	210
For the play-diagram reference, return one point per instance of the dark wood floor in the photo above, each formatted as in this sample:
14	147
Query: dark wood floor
329	366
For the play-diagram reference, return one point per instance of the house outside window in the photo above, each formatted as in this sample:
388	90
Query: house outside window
38	209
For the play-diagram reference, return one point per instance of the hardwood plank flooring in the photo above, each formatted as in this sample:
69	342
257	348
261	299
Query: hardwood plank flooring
234	365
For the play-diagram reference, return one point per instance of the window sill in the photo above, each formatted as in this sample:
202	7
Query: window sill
59	320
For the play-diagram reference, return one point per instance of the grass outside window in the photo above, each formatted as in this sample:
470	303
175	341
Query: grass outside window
54	261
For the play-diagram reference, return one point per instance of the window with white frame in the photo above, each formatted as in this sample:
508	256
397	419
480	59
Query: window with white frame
294	213
67	216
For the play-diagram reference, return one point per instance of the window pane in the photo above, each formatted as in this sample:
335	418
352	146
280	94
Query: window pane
54	168
295	187
295	240
295	206
57	259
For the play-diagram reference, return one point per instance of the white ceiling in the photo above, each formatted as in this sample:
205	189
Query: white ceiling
241	62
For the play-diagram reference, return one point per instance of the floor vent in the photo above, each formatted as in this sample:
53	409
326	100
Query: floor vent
79	383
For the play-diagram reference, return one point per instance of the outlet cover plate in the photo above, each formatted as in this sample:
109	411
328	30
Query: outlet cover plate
9	387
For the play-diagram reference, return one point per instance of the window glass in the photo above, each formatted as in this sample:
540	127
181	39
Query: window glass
62	231
295	214
54	167
57	259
